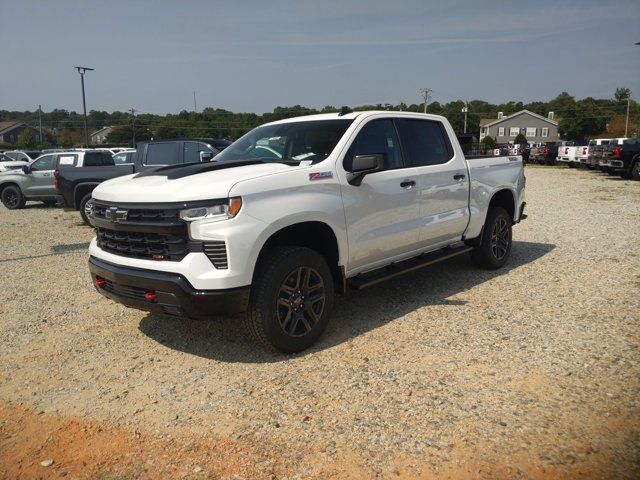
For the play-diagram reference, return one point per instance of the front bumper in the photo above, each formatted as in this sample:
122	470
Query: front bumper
163	292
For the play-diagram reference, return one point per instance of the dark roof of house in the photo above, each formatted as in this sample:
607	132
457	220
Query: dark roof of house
513	115
103	128
7	126
485	121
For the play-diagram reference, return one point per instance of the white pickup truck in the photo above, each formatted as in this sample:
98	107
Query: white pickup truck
297	210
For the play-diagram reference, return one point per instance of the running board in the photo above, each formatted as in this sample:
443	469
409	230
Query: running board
396	269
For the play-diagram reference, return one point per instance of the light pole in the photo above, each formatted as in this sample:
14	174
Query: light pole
82	71
40	123
465	109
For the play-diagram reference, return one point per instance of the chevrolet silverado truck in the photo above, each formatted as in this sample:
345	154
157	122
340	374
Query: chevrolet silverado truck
296	211
74	186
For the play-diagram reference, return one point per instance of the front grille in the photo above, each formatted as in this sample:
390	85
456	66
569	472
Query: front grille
154	246
143	215
217	254
123	290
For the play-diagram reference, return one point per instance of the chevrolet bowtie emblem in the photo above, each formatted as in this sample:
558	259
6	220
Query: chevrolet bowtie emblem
115	215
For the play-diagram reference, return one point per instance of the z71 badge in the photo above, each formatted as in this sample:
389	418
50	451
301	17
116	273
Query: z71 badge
320	176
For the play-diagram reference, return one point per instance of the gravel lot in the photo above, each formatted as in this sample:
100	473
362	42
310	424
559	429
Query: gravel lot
529	372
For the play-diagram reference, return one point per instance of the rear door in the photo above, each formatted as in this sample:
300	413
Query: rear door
382	213
443	183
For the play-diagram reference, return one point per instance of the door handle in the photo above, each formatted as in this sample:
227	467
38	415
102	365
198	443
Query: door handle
408	184
459	176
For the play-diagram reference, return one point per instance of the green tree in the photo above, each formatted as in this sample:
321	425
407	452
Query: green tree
487	143
26	139
520	139
622	93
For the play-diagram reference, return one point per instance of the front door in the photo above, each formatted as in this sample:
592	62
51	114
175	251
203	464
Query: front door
39	181
382	213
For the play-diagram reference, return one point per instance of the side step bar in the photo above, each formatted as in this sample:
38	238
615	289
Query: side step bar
396	269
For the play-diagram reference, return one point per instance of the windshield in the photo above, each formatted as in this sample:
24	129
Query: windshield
294	142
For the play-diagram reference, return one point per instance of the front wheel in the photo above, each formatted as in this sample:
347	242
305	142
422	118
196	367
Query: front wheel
635	170
12	198
495	244
291	297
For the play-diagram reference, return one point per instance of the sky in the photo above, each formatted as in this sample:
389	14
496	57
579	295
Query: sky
251	56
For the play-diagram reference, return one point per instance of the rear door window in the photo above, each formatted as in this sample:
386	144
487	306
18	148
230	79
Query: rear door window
163	153
67	160
424	142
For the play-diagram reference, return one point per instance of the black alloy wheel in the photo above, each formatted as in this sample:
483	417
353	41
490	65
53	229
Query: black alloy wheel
301	301
500	238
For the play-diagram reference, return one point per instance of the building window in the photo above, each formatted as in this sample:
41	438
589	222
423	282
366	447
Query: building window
501	131
514	131
531	131
545	132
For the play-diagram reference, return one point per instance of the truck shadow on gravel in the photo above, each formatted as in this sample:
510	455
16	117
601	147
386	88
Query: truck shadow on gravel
354	313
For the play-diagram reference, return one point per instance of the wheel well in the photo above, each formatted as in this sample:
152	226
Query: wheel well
9	184
317	236
504	199
80	192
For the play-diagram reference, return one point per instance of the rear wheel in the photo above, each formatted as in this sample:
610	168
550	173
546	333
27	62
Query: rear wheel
12	198
291	297
85	208
635	169
495	245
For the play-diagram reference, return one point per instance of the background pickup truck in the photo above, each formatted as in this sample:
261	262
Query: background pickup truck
74	186
297	210
624	158
36	180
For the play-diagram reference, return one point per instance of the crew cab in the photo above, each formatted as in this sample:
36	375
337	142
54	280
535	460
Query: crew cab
74	186
36	180
297	210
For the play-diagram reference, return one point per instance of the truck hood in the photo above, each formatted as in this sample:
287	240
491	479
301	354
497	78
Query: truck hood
182	184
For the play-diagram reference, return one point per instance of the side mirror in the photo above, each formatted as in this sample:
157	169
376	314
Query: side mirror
365	164
26	169
206	156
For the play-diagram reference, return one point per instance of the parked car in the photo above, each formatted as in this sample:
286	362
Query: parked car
582	155
607	153
596	147
625	159
23	155
7	163
36	180
75	185
340	201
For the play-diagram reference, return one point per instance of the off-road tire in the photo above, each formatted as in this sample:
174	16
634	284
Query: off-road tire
83	213
12	198
495	245
263	319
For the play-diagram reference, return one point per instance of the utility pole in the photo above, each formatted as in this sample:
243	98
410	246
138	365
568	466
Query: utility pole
425	94
133	124
195	106
465	109
82	71
626	124
40	122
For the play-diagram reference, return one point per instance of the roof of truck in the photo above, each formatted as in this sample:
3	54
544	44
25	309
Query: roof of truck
353	115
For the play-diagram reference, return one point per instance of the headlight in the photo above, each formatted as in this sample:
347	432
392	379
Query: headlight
222	211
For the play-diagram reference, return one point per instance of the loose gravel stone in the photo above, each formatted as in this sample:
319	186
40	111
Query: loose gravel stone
533	368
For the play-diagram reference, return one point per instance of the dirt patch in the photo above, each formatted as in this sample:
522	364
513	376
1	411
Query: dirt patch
76	448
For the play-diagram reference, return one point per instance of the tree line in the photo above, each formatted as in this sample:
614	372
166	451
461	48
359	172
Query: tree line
578	119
